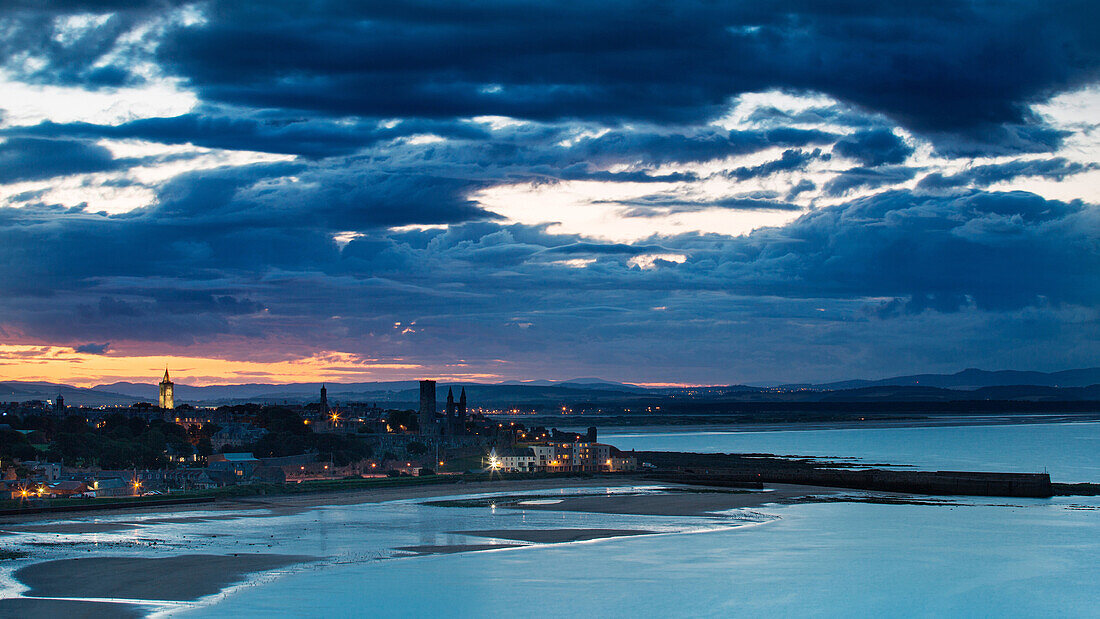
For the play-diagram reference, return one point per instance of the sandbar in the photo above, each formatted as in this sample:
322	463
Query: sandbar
70	609
453	548
681	502
186	577
553	536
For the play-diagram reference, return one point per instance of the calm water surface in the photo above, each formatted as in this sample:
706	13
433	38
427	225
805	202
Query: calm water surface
1070	452
1027	558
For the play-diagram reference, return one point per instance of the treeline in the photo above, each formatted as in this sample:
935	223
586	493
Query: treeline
289	435
117	442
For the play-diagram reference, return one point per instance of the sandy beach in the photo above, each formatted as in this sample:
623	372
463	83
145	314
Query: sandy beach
446	549
684	502
36	608
554	536
186	577
279	505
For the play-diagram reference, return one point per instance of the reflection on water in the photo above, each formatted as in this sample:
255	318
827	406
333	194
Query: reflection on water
1027	558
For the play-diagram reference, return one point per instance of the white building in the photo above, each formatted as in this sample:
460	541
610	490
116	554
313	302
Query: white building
557	457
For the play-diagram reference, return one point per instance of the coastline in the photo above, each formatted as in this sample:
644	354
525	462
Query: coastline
110	585
105	584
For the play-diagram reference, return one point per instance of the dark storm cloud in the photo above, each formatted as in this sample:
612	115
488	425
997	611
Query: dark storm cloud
790	160
803	186
868	178
92	348
242	131
72	56
999	250
874	148
951	66
615	92
186	275
31	159
665	204
1056	168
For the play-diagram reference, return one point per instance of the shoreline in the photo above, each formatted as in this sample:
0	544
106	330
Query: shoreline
111	585
713	423
280	503
119	585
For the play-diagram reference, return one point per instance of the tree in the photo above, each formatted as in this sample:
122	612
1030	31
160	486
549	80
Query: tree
204	448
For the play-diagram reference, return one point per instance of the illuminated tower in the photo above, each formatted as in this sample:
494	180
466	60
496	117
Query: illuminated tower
323	410
167	397
426	416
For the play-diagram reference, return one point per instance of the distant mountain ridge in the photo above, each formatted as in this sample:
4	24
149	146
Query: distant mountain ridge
968	384
970	379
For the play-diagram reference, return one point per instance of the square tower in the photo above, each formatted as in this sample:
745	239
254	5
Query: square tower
426	416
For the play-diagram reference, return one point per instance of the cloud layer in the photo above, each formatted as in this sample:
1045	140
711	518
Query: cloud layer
685	192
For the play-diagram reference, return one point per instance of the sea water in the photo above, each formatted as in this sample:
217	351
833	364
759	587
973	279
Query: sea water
1070	452
978	558
972	556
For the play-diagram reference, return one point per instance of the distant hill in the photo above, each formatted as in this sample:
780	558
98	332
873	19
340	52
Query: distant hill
1070	385
19	391
970	379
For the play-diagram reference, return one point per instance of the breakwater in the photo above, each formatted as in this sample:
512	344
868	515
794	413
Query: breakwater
737	471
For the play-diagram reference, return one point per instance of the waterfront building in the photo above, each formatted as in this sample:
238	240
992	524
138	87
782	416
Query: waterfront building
518	460
112	486
561	457
167	395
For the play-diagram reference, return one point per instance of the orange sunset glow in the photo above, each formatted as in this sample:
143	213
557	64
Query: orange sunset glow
63	365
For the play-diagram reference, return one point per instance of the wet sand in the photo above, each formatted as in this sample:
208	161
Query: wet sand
554	536
71	527
281	505
69	609
453	548
186	577
683	501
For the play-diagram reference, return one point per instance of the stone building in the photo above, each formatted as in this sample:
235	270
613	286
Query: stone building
426	415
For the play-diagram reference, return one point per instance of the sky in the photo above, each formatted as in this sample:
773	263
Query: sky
650	192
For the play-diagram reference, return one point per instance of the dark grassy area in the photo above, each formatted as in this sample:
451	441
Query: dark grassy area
7	555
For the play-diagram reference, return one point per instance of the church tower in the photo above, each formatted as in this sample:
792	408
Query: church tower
323	410
426	414
167	397
452	424
462	412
